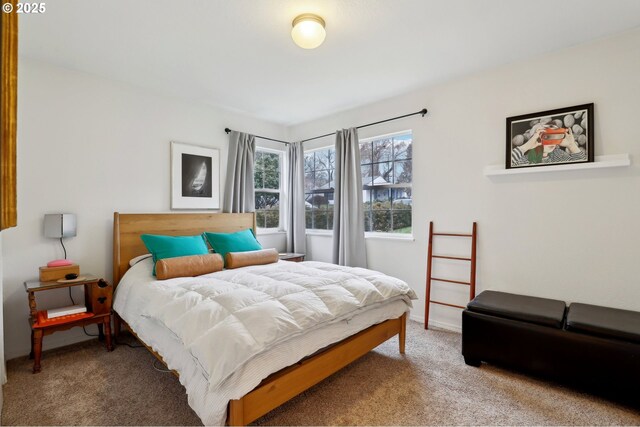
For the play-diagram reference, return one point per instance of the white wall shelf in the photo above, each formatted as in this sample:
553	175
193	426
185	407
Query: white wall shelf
610	161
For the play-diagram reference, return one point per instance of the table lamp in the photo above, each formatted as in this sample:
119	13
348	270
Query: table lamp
58	226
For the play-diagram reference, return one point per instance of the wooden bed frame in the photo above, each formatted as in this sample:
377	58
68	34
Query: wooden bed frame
281	386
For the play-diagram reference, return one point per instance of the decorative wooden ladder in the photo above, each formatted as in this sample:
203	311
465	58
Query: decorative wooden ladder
472	277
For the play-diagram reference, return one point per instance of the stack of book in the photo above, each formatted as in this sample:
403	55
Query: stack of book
65	311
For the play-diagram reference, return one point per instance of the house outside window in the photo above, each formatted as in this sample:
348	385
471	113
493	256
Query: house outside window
386	165
267	180
387	172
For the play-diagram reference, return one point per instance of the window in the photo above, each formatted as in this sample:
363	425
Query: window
386	168
266	182
318	188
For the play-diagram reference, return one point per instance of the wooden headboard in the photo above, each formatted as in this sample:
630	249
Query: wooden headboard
127	229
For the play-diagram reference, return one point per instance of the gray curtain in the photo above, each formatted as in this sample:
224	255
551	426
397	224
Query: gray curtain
348	213
295	221
238	187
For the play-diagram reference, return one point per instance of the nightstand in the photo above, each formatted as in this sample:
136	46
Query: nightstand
97	297
290	256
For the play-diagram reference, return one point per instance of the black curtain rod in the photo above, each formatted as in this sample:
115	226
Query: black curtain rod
227	130
421	112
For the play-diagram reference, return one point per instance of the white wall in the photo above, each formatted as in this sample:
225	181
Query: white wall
92	146
572	235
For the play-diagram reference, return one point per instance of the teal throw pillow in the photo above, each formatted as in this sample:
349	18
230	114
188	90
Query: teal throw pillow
241	241
162	247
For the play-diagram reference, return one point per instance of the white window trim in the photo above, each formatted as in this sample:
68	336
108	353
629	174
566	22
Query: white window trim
375	235
391	235
269	231
386	135
369	235
319	231
280	228
313	150
379	235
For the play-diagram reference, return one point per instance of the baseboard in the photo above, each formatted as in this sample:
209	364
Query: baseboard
443	325
54	341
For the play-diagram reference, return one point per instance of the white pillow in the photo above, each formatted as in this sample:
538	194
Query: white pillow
137	259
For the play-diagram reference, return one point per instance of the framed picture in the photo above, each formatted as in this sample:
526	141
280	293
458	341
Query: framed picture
553	137
195	177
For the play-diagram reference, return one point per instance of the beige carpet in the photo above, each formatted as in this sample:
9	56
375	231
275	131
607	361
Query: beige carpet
85	385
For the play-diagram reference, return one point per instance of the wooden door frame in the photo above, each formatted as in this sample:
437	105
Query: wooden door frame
8	116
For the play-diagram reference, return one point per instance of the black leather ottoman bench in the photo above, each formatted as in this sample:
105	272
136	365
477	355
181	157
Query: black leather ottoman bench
589	346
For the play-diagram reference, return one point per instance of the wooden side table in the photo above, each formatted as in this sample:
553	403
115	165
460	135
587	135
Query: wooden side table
98	295
290	256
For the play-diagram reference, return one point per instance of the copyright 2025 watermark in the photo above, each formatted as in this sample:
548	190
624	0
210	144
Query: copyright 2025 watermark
24	8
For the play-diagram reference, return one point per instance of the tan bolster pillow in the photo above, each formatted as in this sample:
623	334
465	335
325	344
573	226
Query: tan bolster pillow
188	266
244	259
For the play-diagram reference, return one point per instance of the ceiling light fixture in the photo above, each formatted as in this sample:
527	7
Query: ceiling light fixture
308	31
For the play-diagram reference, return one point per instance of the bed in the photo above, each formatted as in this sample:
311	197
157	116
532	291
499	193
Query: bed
252	386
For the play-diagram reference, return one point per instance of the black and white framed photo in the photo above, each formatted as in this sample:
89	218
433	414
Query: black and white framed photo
195	177
553	137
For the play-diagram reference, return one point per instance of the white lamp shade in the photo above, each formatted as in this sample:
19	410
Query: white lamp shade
59	225
308	31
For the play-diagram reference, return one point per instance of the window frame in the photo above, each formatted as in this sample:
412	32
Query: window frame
390	234
371	234
279	191
320	231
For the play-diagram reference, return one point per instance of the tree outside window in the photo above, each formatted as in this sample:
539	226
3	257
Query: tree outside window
386	168
319	168
266	179
387	174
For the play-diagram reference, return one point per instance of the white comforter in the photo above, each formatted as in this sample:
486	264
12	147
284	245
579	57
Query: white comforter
139	293
226	318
